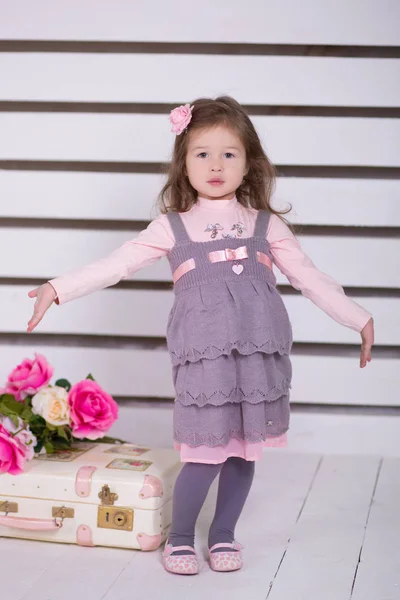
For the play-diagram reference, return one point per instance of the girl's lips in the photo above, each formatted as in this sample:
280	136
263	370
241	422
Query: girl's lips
215	182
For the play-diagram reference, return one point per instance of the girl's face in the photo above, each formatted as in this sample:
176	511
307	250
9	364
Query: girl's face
215	162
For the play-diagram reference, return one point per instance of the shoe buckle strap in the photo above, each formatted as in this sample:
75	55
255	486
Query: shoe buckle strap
234	546
169	549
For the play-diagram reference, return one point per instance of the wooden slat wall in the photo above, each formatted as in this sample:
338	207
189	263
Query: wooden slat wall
62	77
146	138
316	201
84	134
273	22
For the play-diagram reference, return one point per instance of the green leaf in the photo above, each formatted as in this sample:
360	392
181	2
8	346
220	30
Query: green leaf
49	447
110	440
37	425
38	446
7	412
90	376
8	397
64	383
10	403
4	409
26	414
51	427
38	419
60	444
62	433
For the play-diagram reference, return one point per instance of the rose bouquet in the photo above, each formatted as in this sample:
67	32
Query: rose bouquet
36	417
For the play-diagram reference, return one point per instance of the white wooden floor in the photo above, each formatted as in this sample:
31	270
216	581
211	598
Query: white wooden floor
318	525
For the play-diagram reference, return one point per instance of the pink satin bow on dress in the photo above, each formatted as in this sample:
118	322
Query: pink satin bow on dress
220	256
228	254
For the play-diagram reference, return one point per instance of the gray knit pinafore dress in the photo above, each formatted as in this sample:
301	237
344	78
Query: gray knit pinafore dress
229	338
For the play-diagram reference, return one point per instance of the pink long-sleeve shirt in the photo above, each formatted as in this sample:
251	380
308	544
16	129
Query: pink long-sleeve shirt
207	220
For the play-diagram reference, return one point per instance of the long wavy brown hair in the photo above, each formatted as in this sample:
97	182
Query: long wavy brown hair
258	185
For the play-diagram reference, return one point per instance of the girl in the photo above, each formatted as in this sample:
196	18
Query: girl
228	333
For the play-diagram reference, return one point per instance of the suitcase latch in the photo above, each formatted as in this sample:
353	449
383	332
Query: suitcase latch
113	517
8	507
62	512
106	496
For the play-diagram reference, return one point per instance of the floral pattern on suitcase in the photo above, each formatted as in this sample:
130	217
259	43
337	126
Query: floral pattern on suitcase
67	455
129	464
127	449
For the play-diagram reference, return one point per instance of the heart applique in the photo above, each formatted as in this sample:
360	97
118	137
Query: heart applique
237	269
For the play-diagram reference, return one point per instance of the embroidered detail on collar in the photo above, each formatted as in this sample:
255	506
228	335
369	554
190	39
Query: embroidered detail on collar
214	228
239	227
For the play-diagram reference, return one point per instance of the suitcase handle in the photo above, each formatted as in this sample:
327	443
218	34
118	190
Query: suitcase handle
31	523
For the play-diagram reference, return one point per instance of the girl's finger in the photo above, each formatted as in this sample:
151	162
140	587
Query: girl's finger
362	357
36	317
33	322
33	293
365	357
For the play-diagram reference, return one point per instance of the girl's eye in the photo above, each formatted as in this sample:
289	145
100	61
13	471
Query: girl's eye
227	155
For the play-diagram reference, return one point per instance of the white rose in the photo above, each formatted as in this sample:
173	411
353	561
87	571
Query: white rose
51	404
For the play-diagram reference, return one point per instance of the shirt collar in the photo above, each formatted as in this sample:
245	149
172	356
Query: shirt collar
216	205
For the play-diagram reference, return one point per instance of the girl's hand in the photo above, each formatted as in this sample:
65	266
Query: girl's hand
45	296
367	335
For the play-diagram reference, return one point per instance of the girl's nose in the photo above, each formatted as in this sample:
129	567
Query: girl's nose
216	167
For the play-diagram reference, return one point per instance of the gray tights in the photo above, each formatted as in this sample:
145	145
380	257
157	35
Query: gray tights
190	492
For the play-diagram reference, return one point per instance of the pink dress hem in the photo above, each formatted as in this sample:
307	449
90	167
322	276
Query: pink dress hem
219	454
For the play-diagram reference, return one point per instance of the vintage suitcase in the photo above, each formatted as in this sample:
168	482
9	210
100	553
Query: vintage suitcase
94	494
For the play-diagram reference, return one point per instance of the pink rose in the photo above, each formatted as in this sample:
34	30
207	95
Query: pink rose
13	453
28	377
92	410
24	435
180	118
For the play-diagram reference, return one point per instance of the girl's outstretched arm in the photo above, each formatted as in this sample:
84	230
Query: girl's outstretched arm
149	246
320	288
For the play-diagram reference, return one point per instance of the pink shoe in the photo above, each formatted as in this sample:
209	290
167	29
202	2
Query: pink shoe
185	564
226	561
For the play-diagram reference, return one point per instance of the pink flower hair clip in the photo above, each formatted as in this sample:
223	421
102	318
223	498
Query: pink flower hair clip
180	118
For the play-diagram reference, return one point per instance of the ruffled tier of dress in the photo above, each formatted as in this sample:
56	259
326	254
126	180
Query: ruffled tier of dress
234	405
214	319
233	378
216	425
